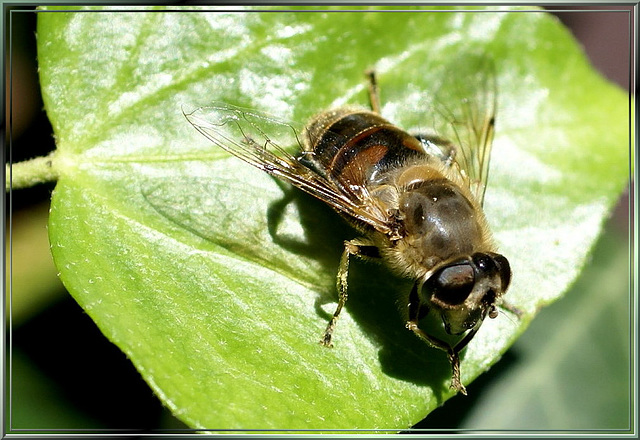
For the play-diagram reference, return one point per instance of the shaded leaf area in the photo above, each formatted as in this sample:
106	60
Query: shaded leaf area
216	281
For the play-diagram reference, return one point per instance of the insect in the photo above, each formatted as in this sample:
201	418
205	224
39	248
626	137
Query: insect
415	199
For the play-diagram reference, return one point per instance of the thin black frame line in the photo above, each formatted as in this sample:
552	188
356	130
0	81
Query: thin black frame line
244	11
10	217
181	9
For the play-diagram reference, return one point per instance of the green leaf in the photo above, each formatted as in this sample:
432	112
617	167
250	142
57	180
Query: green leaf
576	352
571	369
217	282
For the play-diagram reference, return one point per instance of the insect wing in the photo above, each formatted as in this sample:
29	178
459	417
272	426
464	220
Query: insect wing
261	141
247	135
465	104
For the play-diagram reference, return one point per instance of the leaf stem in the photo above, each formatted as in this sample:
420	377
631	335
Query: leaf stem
31	172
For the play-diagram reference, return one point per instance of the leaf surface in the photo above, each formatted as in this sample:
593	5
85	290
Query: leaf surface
217	282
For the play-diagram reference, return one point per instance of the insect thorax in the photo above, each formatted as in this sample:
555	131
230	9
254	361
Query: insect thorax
440	223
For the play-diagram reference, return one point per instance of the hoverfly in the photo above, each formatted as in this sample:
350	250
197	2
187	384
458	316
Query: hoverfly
415	199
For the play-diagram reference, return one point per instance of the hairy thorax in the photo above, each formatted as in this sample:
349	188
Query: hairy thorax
439	221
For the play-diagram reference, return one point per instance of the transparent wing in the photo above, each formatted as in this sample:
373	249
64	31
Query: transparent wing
260	140
465	105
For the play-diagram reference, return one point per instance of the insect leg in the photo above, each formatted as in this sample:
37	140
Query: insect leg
430	340
416	309
454	360
452	352
350	248
414	316
511	308
374	97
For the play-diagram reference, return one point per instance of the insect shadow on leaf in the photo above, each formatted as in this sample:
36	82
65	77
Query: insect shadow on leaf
373	295
415	200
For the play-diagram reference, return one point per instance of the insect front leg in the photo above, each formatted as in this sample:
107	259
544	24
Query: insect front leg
415	309
511	308
350	248
454	360
452	352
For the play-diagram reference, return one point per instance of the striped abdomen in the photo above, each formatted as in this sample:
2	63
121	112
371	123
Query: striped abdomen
353	147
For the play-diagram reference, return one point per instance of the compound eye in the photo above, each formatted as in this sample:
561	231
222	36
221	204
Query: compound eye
484	263
492	264
454	284
504	269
